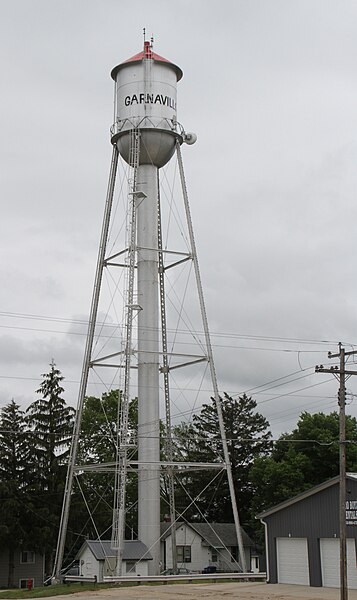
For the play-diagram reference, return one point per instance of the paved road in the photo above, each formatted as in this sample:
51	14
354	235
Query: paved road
214	591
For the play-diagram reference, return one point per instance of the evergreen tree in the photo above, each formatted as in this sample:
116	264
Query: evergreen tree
13	472
51	423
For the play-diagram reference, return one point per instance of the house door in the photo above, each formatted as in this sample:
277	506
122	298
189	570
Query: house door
292	561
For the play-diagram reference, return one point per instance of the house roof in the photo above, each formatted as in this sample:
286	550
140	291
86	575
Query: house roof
101	549
310	492
216	535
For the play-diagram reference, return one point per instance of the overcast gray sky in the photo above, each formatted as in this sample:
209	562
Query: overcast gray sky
270	88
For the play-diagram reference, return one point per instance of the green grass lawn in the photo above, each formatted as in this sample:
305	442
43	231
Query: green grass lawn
53	590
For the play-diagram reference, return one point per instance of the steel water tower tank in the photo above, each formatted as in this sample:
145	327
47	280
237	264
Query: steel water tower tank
145	99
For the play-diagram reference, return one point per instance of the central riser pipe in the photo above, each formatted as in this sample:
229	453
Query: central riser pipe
148	363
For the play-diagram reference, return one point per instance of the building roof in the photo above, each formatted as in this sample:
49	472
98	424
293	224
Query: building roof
310	492
101	549
216	535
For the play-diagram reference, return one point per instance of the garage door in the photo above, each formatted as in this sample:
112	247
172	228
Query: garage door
330	562
292	561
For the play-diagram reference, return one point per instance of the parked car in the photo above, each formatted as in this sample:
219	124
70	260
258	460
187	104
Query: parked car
74	570
210	569
70	570
180	571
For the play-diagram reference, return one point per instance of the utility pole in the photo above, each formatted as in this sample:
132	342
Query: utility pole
341	373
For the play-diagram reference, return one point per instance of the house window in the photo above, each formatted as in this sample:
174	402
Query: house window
130	567
214	554
27	557
23	584
183	554
234	554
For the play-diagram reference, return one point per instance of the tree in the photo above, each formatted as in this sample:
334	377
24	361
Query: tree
99	426
51	423
247	437
12	482
303	458
276	481
98	441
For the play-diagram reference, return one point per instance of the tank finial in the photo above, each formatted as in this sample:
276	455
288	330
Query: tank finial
147	50
148	46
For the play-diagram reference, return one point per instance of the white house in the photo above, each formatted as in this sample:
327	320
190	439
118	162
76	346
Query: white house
200	545
97	558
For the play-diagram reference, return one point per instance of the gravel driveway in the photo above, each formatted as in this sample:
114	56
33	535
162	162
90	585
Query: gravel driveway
215	591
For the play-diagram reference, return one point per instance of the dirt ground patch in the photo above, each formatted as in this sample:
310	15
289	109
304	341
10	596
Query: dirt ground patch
215	591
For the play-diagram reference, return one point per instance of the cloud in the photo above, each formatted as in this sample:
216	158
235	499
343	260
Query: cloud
270	90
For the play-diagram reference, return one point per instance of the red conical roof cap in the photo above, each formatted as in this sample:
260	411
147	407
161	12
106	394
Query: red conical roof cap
147	53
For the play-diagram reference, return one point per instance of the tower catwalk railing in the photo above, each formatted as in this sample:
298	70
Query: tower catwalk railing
122	125
123	442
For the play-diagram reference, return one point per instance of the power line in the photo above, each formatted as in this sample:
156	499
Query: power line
226	335
113	337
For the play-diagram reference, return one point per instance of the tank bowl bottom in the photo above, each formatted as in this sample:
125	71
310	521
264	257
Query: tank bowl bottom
156	145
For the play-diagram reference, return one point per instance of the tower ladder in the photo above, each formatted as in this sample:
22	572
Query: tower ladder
123	435
165	372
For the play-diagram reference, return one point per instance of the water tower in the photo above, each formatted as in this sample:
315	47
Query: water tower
145	134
